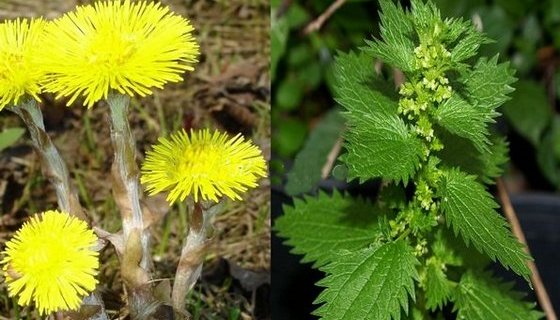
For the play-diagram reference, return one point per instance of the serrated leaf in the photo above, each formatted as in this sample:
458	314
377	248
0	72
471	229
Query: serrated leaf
424	15
359	90
529	111
494	160
378	142
438	288
487	165
319	226
374	283
489	83
481	297
10	136
443	248
470	210
307	169
470	41
396	47
380	147
466	120
451	250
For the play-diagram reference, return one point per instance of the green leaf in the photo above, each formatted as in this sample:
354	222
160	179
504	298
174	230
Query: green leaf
378	147
438	288
466	120
494	160
397	32
378	142
359	90
374	283
307	169
529	111
424	15
487	164
470	210
318	227
488	84
470	41
452	251
481	297
444	247
9	136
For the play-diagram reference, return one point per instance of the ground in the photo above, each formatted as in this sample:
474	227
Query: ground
229	90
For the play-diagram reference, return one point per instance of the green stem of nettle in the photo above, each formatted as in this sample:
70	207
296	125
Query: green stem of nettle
404	234
55	170
136	259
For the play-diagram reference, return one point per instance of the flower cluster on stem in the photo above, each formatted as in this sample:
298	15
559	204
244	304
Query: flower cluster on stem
427	88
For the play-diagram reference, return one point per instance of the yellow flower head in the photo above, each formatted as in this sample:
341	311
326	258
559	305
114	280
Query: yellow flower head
206	165
19	72
126	46
50	261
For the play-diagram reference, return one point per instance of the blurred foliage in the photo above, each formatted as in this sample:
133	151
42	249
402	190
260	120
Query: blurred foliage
307	170
10	136
527	33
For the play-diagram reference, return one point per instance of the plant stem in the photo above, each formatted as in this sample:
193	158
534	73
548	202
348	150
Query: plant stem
318	23
53	167
136	260
126	172
55	170
540	289
192	254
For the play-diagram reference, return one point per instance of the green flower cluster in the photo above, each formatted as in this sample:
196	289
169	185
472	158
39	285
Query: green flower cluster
420	96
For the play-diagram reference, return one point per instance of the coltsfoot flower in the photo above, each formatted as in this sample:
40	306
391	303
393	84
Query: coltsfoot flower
203	164
129	47
19	72
51	262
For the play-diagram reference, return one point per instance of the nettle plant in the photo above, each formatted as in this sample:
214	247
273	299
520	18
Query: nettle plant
104	54
428	239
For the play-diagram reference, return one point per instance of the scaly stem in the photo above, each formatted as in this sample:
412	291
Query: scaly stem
136	260
192	254
54	169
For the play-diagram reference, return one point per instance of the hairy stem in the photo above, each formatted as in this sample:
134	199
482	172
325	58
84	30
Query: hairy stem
136	260
53	167
192	254
55	170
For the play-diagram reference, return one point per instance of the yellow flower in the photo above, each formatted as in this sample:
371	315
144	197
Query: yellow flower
130	47
205	165
51	261
19	72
